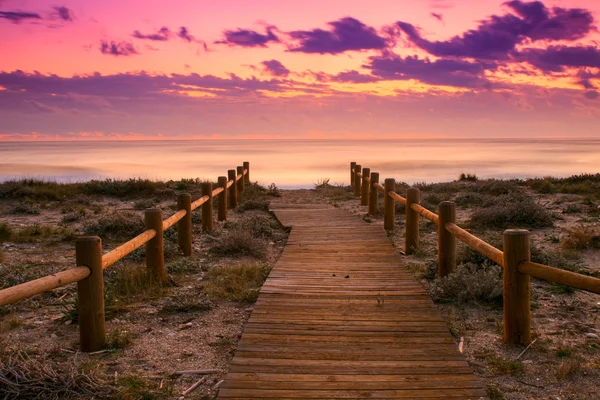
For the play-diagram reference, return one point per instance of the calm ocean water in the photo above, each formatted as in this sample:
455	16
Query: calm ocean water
299	163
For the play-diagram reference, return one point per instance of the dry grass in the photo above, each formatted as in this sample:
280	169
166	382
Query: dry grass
580	238
10	323
23	377
567	367
237	283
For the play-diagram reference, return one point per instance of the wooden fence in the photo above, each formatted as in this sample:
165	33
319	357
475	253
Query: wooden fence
515	259
90	262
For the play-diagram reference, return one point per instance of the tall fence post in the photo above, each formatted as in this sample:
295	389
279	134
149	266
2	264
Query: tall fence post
233	197
357	180
388	205
240	183
446	240
517	318
373	193
207	208
184	226
155	250
413	196
90	294
352	165
222	213
247	176
364	190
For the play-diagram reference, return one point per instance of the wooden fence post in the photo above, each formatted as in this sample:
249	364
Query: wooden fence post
352	165
233	198
446	240
247	176
517	318
388	205
155	250
373	194
364	190
413	196
357	180
207	208
90	294
222	213
184	226
240	183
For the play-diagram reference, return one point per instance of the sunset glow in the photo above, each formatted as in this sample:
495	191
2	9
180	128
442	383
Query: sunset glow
199	69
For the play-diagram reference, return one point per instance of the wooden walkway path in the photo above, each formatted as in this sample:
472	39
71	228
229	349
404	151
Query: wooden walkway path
340	318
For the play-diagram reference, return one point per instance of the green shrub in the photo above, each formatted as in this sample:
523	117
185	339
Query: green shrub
467	177
512	210
470	283
120	226
239	243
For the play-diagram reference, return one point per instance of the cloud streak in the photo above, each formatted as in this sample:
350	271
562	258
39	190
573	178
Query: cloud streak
117	48
346	34
249	38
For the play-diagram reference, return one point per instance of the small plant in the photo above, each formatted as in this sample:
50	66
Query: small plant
322	183
494	393
567	367
118	338
144	204
273	190
11	323
501	366
189	302
126	281
240	243
564	352
5	232
581	238
74	216
25	209
467	177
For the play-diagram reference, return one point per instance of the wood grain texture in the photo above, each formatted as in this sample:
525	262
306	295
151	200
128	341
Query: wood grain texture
341	318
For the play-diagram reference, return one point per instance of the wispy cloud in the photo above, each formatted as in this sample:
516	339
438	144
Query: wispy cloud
117	48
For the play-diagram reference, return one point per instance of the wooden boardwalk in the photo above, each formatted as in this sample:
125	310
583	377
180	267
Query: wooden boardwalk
340	318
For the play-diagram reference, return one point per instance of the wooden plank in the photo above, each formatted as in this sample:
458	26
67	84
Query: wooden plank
340	317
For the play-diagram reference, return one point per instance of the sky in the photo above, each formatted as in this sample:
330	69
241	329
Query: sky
190	69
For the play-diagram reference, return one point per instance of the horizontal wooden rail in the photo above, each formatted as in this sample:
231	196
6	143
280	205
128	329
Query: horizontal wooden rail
115	255
90	285
199	202
173	219
474	242
41	285
217	191
515	259
561	276
397	197
433	217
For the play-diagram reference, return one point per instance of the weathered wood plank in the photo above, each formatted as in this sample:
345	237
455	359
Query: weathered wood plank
340	317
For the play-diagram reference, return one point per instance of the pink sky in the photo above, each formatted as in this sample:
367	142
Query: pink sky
447	68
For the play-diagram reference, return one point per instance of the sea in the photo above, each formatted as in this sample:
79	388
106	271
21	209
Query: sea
292	164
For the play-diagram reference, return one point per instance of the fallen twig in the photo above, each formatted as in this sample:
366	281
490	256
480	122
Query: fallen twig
526	348
195	372
529	384
194	386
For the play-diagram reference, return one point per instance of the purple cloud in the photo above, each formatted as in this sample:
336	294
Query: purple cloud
556	58
437	16
249	38
347	34
18	16
592	94
117	49
275	68
456	73
64	13
353	77
162	35
185	34
496	37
